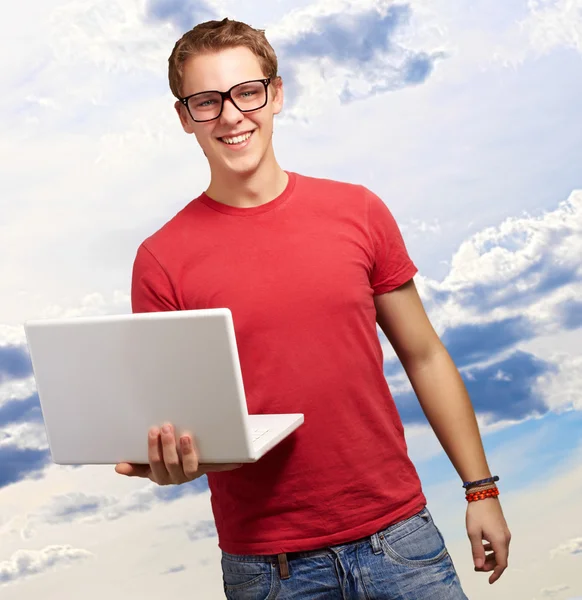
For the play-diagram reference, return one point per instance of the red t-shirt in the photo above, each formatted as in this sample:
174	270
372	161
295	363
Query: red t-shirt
299	275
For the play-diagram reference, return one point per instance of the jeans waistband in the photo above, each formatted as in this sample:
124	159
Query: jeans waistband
274	558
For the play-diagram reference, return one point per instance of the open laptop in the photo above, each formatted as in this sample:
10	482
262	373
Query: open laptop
104	381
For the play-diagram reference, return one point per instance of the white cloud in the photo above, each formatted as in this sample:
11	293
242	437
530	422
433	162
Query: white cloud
24	436
552	592
16	389
554	23
573	546
511	34
510	261
311	44
44	102
201	530
109	34
11	335
561	389
500	253
415	228
95	508
302	20
25	563
75	506
92	305
501	376
422	443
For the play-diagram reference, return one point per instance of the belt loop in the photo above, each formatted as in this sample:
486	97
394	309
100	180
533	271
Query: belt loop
375	542
283	566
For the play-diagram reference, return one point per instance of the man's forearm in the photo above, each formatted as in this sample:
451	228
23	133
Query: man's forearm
446	404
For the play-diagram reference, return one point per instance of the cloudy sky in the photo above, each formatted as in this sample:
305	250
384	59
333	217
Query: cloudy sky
464	117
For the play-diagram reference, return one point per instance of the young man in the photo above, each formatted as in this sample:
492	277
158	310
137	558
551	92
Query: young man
308	267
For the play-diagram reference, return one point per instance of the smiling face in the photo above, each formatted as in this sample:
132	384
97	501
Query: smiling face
224	140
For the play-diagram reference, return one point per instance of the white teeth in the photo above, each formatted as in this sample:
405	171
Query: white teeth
237	140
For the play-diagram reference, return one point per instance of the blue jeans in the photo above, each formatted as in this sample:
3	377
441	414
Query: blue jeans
406	561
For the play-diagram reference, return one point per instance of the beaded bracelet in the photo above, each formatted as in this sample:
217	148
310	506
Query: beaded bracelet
480	490
482	496
468	484
490	493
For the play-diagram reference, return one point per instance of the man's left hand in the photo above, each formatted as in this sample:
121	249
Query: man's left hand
485	522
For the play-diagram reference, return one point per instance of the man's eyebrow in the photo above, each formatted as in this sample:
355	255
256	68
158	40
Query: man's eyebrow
256	78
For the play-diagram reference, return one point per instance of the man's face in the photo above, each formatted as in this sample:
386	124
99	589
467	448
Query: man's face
220	71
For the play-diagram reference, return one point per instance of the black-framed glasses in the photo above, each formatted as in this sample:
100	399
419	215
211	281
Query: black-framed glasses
246	96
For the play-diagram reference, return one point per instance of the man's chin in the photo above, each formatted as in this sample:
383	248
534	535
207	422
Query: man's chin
240	168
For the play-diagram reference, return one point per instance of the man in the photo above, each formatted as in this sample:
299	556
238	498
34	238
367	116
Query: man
308	267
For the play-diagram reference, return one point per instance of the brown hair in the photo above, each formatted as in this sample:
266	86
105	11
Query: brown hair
213	36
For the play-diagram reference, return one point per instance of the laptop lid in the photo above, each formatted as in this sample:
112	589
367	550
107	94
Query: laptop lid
104	381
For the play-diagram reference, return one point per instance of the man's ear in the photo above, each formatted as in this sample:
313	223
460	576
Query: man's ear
278	95
185	119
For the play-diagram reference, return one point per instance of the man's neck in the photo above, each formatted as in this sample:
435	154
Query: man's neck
245	191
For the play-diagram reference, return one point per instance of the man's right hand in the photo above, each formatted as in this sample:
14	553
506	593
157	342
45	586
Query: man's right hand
170	464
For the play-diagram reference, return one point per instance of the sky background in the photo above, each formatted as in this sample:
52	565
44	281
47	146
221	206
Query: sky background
465	117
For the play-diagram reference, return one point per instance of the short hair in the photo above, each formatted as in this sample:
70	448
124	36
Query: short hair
213	36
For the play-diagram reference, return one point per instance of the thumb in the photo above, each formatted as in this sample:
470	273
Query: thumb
478	549
132	470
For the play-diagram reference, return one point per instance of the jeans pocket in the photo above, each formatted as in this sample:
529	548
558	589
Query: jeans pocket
417	542
246	580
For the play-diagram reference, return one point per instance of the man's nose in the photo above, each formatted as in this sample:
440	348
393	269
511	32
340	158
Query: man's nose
230	113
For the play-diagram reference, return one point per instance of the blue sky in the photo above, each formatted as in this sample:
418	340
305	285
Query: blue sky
461	116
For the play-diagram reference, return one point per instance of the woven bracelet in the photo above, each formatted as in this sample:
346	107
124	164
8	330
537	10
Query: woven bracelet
468	484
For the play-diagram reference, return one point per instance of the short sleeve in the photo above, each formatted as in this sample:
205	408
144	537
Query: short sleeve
151	289
392	265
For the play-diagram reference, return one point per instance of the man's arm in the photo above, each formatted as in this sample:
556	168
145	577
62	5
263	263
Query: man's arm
447	406
434	378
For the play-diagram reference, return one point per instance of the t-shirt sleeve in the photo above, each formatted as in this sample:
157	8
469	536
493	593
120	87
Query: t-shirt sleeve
392	265
151	289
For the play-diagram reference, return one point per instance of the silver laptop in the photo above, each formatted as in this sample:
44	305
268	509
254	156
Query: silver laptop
104	381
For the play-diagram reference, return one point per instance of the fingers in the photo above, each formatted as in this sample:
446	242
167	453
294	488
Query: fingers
497	572
192	468
191	465
477	549
501	553
172	461
156	459
132	470
189	453
490	562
